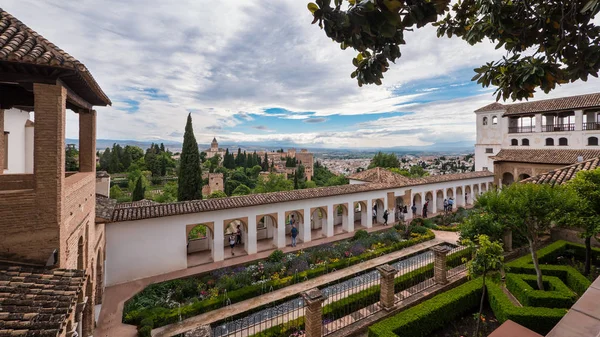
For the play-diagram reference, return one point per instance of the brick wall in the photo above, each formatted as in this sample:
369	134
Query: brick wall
517	169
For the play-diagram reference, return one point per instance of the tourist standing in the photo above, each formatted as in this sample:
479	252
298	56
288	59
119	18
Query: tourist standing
385	217
451	204
466	199
445	205
414	210
375	215
238	235
294	233
425	209
232	243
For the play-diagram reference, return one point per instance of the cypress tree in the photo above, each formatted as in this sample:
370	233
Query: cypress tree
138	191
190	175
265	166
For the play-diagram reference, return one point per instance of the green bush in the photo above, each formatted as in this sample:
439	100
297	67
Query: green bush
282	330
555	295
432	314
360	234
276	256
538	319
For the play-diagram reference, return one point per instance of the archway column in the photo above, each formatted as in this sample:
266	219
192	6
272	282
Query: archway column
251	241
330	218
370	213
279	236
349	225
219	241
305	233
433	203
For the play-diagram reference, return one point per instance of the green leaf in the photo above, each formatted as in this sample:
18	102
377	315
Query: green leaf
312	7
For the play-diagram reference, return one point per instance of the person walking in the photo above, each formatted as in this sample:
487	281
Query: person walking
414	210
425	209
294	233
375	215
445	205
385	217
451	204
238	235
466	199
232	243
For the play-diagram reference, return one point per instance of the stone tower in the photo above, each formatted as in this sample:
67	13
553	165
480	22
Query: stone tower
214	146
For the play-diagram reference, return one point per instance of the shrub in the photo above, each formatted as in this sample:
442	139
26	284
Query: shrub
557	295
276	256
432	314
360	234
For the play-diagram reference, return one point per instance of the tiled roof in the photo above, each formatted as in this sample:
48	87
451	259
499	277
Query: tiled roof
21	44
104	208
37	302
564	174
143	202
196	206
379	175
561	157
491	107
102	174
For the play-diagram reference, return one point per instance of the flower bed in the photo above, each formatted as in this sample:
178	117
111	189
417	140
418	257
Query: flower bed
164	303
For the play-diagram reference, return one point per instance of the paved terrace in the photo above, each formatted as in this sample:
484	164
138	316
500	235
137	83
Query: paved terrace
110	323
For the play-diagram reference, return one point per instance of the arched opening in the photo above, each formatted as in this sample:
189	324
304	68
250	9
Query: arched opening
593	141
360	214
459	199
318	222
428	204
266	232
378	209
340	219
563	141
485	121
399	211
439	201
99	277
80	254
549	141
468	196
494	120
297	219
475	192
235	230
483	188
507	178
525	142
514	142
417	206
200	241
523	176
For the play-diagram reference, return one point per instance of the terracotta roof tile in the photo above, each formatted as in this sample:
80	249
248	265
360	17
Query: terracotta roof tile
547	105
140	212
564	174
563	157
378	174
21	44
35	301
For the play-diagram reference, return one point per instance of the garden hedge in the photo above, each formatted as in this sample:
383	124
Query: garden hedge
555	294
161	316
423	319
538	319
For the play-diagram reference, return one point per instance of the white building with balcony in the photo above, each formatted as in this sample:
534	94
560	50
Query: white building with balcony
526	139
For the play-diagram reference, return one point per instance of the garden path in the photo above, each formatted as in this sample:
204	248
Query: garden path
110	320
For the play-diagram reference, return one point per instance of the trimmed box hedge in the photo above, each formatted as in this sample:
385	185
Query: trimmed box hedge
555	295
423	319
161	316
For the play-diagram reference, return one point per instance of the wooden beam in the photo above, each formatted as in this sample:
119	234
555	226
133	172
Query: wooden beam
75	99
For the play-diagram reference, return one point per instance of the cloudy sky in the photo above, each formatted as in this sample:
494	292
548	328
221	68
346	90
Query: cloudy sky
259	72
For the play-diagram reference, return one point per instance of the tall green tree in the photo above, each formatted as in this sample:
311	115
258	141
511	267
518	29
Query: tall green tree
586	187
190	175
488	256
138	192
385	160
241	190
561	35
71	159
265	163
228	160
273	183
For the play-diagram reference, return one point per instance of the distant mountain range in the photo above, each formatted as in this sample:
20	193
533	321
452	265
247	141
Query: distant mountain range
461	147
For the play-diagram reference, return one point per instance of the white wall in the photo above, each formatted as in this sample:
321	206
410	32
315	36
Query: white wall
143	248
488	136
103	186
14	123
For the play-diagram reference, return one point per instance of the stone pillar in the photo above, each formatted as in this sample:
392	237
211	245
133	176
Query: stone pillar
350	222
306	234
87	141
280	241
578	120
313	316
49	170
433	203
439	264
251	243
387	274
330	219
507	240
219	241
538	123
369	213
2	159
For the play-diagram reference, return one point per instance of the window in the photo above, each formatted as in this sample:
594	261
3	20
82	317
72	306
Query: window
489	150
593	141
484	168
563	141
494	120
549	141
525	142
514	142
484	120
5	164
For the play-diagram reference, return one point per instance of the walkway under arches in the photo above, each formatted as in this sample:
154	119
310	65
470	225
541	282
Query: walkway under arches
361	217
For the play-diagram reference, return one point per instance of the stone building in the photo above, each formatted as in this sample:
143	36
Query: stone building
215	183
214	150
48	221
517	141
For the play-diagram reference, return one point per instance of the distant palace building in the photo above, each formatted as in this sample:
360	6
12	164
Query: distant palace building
517	141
